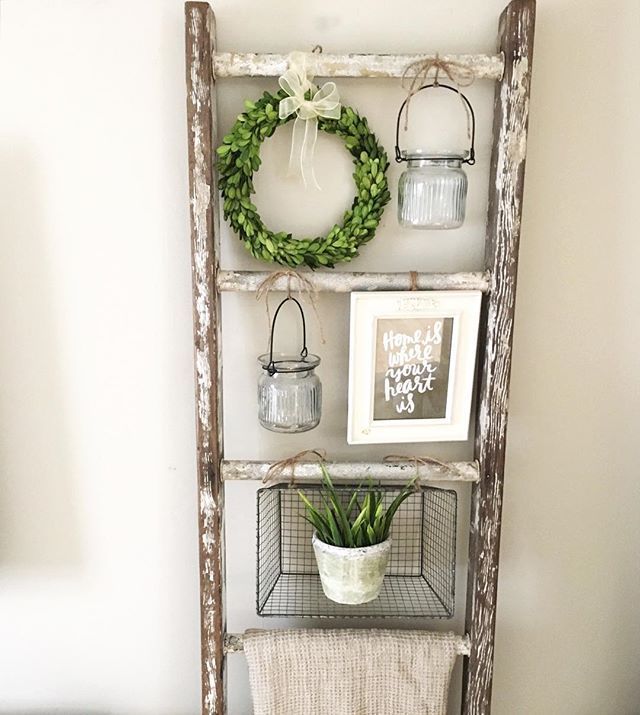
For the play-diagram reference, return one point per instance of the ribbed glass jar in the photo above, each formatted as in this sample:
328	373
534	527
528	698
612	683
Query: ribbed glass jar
290	399
432	192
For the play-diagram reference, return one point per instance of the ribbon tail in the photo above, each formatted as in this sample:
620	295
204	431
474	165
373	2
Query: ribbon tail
297	143
307	152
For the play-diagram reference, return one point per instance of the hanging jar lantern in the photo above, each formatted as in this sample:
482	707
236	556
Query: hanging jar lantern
432	191
289	391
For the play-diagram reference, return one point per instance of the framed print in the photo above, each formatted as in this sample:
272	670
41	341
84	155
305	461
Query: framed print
411	365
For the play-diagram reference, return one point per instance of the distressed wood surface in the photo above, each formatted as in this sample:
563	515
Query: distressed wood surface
503	233
344	282
236	64
234	643
354	471
201	119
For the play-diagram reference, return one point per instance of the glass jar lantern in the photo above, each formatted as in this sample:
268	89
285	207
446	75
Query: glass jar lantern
432	191
289	391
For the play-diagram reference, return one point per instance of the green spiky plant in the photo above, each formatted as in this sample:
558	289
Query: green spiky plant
363	522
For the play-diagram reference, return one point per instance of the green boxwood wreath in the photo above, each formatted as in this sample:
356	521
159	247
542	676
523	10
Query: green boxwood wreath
239	157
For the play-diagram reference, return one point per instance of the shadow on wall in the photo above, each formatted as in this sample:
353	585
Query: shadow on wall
38	519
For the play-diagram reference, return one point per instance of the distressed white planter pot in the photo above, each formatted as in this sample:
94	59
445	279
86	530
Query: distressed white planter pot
351	576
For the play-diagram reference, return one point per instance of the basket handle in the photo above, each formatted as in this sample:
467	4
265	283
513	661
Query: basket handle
271	367
471	123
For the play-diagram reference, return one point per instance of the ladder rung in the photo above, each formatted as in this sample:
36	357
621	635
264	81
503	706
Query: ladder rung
344	282
355	471
234	643
241	64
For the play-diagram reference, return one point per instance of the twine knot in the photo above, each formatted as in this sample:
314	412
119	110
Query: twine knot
277	470
305	287
457	73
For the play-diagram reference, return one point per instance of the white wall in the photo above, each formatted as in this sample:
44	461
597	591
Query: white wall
98	549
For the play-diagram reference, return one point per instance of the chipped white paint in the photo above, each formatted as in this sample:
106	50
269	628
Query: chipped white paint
346	282
210	545
203	214
200	200
203	380
503	231
236	64
234	643
355	471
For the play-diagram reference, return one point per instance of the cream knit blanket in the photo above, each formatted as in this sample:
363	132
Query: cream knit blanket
351	672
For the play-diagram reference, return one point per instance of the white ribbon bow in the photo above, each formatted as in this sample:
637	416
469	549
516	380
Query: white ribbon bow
324	102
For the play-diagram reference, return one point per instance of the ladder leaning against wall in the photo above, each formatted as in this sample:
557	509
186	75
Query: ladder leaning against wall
510	68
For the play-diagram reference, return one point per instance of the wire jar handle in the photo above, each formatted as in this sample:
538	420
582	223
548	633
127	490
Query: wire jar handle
271	367
471	124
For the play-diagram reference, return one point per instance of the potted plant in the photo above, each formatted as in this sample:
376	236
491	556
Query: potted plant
351	539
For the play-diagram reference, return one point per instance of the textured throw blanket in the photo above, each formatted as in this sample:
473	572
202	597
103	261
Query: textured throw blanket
351	672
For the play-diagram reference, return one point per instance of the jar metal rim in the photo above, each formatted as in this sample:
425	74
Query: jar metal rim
287	363
418	154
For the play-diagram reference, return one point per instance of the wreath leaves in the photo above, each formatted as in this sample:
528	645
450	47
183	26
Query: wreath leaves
239	158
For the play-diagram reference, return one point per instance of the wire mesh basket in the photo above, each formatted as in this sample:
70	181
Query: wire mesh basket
420	579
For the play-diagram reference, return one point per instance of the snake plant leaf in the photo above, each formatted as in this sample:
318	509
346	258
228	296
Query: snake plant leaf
343	521
352	503
335	532
355	528
321	529
364	521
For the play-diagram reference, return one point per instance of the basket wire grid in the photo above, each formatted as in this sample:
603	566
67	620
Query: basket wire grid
420	579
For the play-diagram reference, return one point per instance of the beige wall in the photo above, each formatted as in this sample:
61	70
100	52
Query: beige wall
98	569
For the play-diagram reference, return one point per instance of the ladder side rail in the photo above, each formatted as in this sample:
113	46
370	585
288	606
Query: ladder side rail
205	236
511	110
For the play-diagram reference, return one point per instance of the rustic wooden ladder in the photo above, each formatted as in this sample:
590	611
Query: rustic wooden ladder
511	69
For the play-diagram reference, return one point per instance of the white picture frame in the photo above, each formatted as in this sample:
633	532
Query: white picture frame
412	364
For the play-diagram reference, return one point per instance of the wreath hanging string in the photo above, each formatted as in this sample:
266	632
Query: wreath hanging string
239	158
